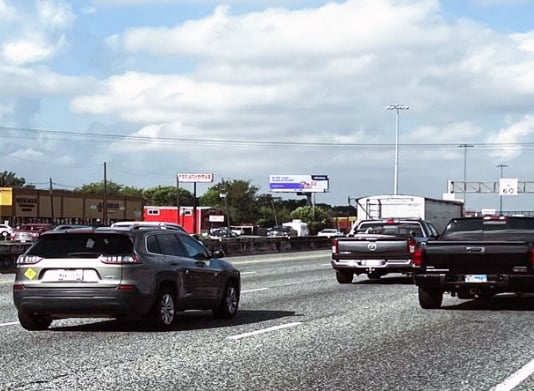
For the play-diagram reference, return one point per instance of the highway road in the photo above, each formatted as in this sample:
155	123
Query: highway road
297	329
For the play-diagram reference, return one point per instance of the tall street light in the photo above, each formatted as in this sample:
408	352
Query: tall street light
501	166
396	107
465	146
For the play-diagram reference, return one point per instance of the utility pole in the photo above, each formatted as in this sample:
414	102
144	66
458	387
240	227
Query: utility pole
396	107
52	202
465	146
105	203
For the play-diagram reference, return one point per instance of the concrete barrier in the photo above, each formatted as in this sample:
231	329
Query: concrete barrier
243	245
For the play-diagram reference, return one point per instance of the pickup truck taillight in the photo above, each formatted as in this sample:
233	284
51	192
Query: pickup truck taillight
411	245
334	246
532	257
417	256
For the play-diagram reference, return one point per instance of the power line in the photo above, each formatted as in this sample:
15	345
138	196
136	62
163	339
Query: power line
105	137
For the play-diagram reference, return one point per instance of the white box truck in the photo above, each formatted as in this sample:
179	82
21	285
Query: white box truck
437	212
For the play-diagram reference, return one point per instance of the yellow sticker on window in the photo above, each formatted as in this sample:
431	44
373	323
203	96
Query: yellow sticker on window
30	274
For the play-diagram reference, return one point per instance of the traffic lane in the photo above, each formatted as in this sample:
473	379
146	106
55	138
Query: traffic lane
378	323
7	310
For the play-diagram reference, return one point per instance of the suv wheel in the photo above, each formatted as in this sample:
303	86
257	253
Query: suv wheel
164	311
229	302
344	277
34	322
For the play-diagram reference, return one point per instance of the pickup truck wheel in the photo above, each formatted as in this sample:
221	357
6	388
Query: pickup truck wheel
430	298
344	277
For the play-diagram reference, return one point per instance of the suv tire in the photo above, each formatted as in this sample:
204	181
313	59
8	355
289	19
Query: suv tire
227	307
163	313
34	322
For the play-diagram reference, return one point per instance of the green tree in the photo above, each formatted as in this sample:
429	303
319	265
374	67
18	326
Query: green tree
317	217
236	197
10	179
166	196
112	188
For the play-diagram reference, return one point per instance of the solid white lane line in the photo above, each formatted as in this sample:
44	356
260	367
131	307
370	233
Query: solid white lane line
513	380
255	290
8	324
326	264
262	331
243	273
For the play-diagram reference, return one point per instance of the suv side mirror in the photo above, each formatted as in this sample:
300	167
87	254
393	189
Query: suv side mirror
217	254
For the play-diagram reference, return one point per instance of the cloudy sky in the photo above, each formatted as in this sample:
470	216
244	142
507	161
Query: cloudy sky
248	88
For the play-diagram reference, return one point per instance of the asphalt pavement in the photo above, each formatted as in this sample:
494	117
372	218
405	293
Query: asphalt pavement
297	329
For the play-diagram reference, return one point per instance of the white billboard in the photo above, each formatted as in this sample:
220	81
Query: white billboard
508	186
298	183
190	178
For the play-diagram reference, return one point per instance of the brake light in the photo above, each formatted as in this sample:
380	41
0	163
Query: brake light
417	256
532	257
28	259
127	287
18	287
411	245
334	246
120	259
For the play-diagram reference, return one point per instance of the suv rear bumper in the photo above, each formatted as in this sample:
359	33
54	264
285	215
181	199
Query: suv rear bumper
75	302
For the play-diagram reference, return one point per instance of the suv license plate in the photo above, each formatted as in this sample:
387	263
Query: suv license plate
476	278
70	275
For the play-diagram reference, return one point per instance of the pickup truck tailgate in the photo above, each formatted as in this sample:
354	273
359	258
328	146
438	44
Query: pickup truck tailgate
372	249
470	257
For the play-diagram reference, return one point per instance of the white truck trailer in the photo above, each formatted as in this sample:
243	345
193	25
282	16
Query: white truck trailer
437	212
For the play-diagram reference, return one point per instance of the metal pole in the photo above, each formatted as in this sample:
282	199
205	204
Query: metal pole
501	166
465	146
396	107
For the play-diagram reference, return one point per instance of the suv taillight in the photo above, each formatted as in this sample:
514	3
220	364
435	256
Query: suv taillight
28	259
120	259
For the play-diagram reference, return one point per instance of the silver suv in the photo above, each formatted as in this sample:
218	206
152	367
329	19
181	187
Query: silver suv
139	273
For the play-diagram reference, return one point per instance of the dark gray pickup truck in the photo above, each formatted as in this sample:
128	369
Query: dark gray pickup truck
379	247
476	258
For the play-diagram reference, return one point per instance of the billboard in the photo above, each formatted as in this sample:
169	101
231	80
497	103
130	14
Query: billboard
298	183
190	178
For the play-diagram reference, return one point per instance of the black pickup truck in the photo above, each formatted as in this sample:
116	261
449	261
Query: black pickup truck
379	247
476	258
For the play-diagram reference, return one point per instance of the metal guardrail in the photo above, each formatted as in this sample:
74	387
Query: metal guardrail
9	253
230	246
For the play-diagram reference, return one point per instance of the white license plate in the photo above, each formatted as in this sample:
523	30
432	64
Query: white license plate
70	275
372	262
476	278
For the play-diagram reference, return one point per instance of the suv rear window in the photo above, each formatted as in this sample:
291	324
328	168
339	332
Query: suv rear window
90	245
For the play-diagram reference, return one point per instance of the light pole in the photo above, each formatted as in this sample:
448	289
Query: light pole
501	166
225	196
396	107
465	146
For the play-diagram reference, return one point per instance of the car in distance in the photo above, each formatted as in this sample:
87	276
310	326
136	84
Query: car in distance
29	232
139	273
282	231
5	231
63	227
330	233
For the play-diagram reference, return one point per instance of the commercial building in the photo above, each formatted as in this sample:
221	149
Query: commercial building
24	205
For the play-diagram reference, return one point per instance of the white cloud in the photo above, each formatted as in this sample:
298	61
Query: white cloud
54	14
514	134
6	12
29	49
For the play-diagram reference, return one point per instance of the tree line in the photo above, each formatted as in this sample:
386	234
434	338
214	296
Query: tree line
239	199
